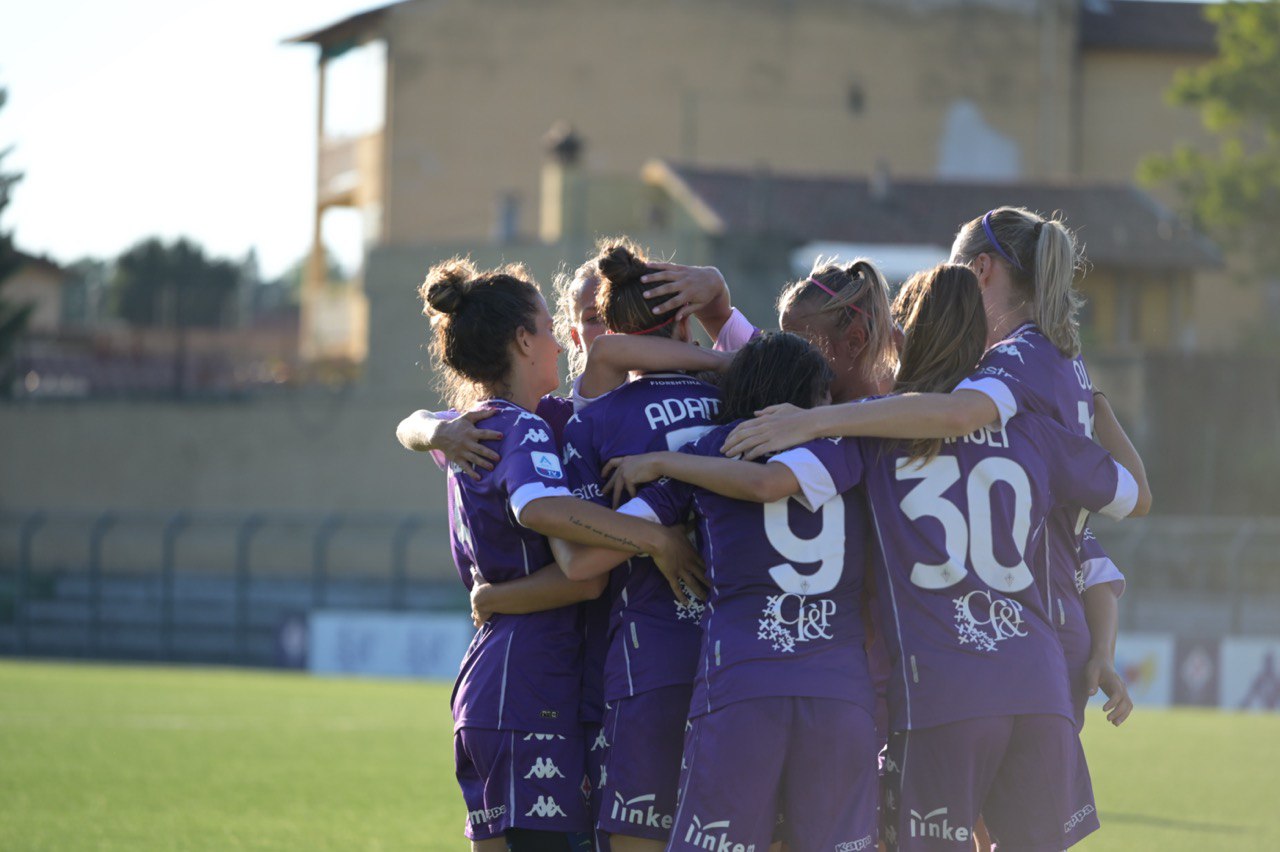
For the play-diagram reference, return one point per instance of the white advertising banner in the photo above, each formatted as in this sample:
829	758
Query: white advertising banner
1251	674
1146	662
387	644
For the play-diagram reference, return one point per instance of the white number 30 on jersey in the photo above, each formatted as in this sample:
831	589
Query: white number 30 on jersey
970	537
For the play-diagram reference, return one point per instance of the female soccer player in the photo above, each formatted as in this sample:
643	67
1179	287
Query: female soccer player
782	708
518	749
980	709
1025	265
653	633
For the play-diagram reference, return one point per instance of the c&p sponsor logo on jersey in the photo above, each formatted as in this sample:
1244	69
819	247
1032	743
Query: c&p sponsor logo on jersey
936	824
790	618
640	811
985	621
546	464
714	836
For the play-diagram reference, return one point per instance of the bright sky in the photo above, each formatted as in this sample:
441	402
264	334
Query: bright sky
141	117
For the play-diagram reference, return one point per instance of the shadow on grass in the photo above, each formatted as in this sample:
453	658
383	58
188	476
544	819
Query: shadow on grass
1179	824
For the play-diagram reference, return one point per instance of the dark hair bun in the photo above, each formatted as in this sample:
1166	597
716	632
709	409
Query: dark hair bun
448	284
621	266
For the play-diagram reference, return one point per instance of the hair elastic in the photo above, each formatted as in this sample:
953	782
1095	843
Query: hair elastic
832	293
662	324
991	235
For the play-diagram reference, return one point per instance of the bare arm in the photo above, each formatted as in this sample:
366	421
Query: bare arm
758	483
908	415
546	588
586	523
458	438
613	356
699	291
1102	613
1112	437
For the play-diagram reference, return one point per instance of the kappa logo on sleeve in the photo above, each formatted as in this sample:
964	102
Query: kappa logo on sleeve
538	435
1010	349
546	464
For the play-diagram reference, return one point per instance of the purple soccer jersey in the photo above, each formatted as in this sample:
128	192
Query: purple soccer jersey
556	410
1096	566
653	639
959	542
1025	372
784	611
521	672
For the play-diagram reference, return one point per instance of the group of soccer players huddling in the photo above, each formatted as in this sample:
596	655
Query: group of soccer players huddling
891	614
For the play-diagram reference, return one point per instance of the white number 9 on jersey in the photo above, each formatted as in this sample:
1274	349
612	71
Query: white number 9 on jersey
826	548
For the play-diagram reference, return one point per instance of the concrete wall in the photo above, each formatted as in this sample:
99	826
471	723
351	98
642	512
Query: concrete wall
814	86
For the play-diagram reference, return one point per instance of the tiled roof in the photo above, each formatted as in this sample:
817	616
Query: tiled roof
1145	25
1119	224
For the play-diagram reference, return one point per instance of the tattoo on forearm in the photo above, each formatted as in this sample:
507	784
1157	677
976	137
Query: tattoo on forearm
625	542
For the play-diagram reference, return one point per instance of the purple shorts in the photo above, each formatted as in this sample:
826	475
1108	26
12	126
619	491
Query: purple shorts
813	759
515	779
642	770
1020	772
597	751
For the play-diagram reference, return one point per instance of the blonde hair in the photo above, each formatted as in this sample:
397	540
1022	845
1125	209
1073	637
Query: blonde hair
944	336
1045	259
567	287
861	295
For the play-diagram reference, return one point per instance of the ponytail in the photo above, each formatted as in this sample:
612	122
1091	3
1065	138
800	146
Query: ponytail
1042	258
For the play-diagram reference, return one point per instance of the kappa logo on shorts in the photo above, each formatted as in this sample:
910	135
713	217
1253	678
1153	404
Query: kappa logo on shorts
714	836
984	621
545	807
486	815
1077	818
538	435
600	742
544	767
936	824
640	811
546	464
542	738
858	845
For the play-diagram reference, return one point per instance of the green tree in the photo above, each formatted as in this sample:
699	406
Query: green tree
13	317
175	284
1233	193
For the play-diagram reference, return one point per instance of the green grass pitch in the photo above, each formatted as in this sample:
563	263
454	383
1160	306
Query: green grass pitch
135	758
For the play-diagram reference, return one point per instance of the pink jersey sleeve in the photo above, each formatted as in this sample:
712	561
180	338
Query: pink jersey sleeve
735	333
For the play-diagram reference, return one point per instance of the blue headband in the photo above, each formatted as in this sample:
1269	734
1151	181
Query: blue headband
986	226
